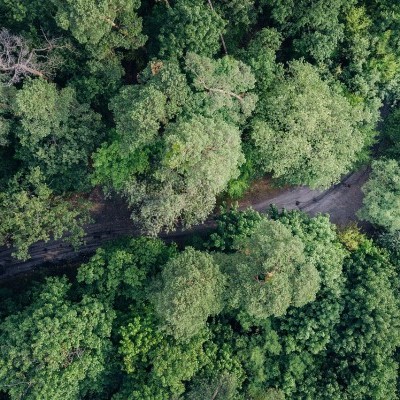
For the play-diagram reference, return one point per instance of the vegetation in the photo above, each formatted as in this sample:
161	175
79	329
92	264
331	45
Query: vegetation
295	311
174	106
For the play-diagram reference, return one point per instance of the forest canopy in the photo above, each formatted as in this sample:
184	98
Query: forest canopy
168	109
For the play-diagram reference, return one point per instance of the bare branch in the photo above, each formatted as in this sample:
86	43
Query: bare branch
18	60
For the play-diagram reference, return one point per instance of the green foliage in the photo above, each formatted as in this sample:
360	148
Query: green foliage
7	95
120	270
201	155
224	83
307	132
368	333
260	54
270	272
381	203
310	328
314	27
55	348
191	287
232	227
370	50
190	26
102	25
156	365
57	133
30	212
391	135
177	143
240	17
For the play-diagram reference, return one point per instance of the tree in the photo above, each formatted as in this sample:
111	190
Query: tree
270	273
260	55
226	84
55	348
191	287
315	27
118	272
57	133
7	95
190	26
308	133
101	25
157	366
29	212
177	145
381	204
18	59
310	328
391	135
360	357
232	227
201	155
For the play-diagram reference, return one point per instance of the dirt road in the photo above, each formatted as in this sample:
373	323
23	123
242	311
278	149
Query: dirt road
112	221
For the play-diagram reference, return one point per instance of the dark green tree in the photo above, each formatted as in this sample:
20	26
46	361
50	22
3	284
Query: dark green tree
57	133
55	348
192	26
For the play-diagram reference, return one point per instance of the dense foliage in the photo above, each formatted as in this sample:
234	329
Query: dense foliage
174	106
293	310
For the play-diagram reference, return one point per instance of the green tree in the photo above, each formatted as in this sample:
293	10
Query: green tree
308	132
361	354
29	212
118	272
270	272
314	27
391	135
232	227
57	133
157	366
201	156
190	290
190	26
102	25
224	84
381	204
177	145
55	348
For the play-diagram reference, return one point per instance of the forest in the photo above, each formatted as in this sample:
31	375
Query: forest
178	107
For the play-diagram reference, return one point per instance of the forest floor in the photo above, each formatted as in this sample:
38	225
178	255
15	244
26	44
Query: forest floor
112	220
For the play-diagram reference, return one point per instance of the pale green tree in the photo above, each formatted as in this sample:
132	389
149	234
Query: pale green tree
307	132
201	156
270	272
226	84
381	204
190	290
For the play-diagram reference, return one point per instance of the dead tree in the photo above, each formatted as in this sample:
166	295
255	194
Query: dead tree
18	59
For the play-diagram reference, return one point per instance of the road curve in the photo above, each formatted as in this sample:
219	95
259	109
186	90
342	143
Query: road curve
112	220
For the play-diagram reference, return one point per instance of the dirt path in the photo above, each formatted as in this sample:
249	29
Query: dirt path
112	220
